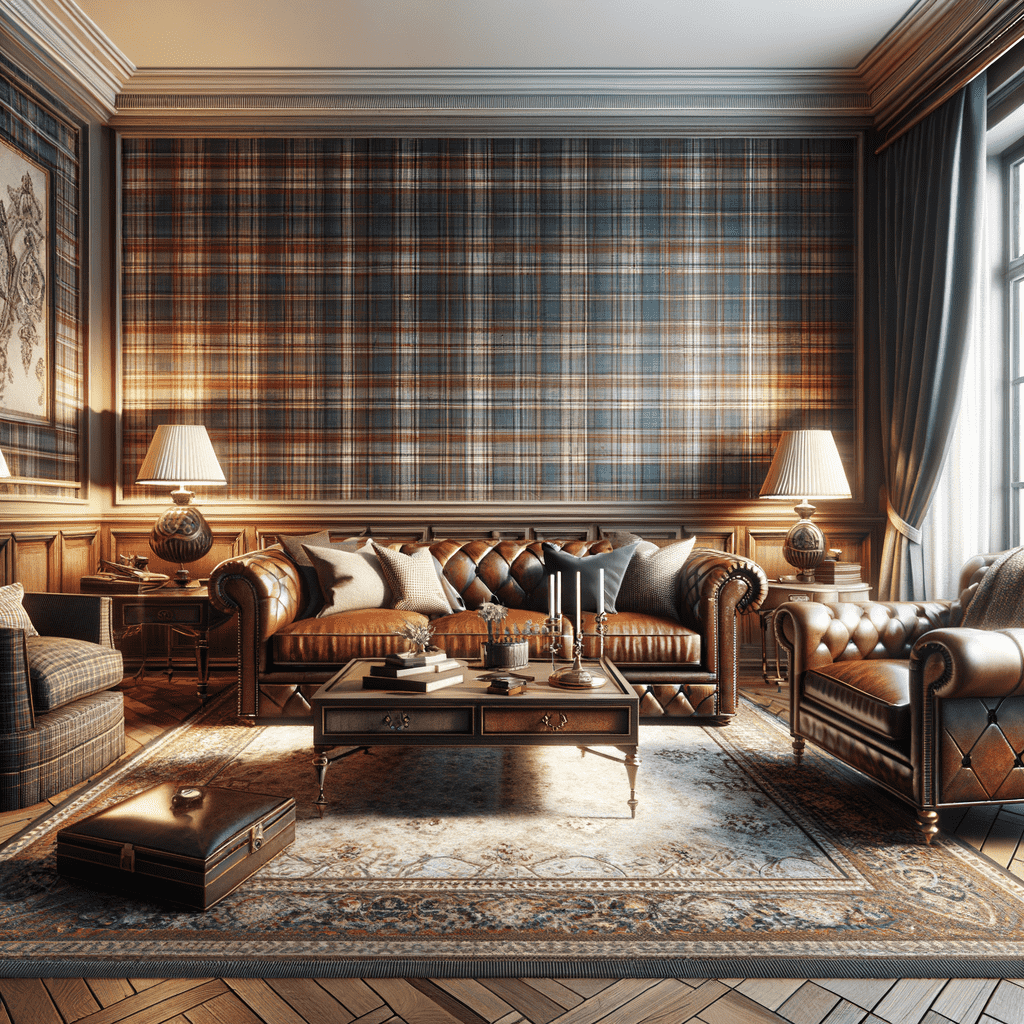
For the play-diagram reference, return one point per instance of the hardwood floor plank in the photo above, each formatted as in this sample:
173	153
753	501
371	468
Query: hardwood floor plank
72	997
141	984
314	1004
381	1015
515	1017
845	1012
28	1001
603	1006
555	991
866	992
532	1004
448	1002
908	1000
1006	1003
477	997
587	987
770	992
810	1004
355	995
663	1003
223	1009
109	990
975	825
964	999
263	1000
159	1002
409	1003
1003	839
736	1008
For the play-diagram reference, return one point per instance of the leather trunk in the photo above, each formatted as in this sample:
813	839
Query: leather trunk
190	846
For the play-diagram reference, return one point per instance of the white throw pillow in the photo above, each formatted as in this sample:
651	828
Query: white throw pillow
413	580
349	580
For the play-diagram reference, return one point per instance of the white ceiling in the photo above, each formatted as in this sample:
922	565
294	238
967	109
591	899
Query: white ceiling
570	34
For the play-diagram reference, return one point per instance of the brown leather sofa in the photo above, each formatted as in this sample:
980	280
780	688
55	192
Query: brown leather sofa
681	667
930	711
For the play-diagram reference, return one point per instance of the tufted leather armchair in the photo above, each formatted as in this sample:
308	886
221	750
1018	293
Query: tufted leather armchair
930	711
680	668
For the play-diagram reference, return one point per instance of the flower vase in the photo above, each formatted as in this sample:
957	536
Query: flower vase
511	655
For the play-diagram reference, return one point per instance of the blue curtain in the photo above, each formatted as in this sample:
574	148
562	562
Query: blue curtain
930	205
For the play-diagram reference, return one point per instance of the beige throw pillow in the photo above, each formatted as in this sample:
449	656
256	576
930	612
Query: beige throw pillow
348	579
650	584
413	581
12	613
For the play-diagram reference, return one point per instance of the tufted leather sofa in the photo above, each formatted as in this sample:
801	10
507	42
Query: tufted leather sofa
932	712
680	668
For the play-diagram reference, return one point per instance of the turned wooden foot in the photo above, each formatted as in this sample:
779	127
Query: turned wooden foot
798	749
928	823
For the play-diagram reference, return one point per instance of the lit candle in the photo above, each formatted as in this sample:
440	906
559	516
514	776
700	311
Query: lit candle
558	594
600	591
551	596
579	632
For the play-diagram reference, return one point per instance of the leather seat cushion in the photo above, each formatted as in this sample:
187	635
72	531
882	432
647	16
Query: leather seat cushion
874	693
634	637
335	639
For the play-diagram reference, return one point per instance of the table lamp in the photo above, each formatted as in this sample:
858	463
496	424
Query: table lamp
806	465
181	455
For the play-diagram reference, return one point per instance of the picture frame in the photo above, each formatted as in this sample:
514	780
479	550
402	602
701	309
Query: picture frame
27	377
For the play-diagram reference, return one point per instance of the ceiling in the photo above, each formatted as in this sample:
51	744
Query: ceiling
567	34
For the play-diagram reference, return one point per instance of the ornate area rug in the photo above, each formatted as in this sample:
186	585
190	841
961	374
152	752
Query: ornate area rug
525	861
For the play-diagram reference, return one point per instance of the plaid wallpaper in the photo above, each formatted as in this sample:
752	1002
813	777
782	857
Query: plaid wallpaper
488	319
39	128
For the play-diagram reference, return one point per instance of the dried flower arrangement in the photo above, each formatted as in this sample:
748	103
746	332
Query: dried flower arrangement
494	614
420	636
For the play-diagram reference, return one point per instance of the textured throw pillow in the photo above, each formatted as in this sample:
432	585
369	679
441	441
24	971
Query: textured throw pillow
614	564
413	580
293	548
12	613
650	584
348	579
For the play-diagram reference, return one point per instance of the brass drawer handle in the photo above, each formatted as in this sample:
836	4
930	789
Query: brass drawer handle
397	724
554	727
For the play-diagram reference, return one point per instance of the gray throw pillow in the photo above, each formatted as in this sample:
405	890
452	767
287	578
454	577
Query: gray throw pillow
614	564
650	585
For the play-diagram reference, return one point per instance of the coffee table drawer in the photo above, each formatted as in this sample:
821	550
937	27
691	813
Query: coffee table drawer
566	722
391	721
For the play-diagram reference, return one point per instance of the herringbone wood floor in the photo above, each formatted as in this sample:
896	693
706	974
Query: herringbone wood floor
154	704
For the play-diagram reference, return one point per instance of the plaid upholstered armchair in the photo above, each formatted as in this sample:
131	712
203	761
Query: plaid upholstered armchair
60	721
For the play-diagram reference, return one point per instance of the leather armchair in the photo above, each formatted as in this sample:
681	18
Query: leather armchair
930	711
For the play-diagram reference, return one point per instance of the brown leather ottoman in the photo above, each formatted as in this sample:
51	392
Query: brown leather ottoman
185	845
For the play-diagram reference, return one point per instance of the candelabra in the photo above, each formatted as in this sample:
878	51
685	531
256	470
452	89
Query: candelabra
575	676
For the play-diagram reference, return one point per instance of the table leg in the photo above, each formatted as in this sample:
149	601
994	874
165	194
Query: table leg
320	763
203	663
632	763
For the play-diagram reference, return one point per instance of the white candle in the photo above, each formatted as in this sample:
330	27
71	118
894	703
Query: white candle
578	605
600	591
558	594
551	596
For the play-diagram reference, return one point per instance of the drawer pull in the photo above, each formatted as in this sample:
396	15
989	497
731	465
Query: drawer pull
553	726
397	723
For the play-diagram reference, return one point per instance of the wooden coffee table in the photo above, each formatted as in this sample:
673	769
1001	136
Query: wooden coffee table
345	714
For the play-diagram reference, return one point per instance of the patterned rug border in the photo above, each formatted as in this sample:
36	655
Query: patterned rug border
510	958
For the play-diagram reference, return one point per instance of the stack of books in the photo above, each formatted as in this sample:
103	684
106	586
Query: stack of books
417	673
837	572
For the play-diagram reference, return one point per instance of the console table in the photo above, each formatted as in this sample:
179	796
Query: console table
345	714
781	592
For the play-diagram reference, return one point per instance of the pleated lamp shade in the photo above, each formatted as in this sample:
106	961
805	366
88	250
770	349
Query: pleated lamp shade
181	455
806	465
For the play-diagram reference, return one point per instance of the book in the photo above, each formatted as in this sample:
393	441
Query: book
412	660
400	672
424	682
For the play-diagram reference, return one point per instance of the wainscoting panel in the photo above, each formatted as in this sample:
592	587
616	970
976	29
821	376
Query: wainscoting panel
36	562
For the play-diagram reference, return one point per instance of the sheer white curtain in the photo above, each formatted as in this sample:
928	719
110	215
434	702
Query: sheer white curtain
967	513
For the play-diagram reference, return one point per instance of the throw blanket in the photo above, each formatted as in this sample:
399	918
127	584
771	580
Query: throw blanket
998	603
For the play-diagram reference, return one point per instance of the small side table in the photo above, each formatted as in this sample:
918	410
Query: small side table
184	610
781	592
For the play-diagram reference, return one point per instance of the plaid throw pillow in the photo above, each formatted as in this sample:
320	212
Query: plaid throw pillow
12	614
413	581
650	585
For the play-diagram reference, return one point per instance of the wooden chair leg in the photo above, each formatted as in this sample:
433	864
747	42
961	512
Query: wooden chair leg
798	749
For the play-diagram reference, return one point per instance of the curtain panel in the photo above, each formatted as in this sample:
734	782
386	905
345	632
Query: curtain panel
930	216
488	319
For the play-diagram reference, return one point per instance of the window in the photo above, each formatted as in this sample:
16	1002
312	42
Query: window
1015	336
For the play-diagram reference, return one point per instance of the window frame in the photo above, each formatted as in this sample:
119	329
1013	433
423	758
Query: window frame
1013	283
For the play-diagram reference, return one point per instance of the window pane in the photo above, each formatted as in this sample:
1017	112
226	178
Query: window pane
1016	219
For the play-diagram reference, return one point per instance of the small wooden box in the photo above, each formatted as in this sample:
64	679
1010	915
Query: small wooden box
184	845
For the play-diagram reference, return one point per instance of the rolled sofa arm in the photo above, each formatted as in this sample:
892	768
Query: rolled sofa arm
263	587
818	634
970	662
714	588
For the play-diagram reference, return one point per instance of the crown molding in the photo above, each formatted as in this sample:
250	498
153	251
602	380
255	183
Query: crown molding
937	48
57	38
